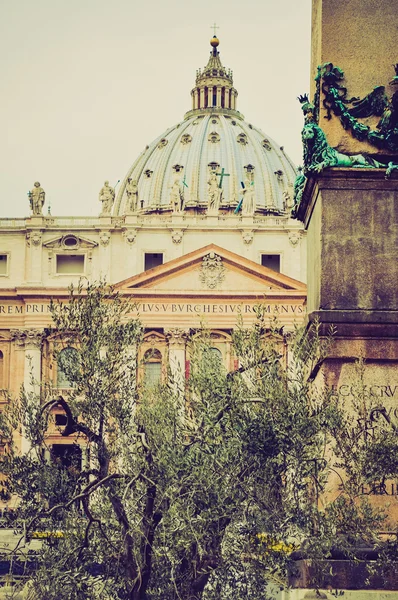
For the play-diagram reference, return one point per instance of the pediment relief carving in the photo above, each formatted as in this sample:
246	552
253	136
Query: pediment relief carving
153	338
212	271
70	242
220	335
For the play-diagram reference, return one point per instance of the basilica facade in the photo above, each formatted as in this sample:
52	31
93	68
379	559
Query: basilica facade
199	231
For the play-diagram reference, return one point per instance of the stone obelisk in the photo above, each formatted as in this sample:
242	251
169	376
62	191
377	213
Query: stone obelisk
349	202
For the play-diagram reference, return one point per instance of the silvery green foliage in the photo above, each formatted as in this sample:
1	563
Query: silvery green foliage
241	574
198	493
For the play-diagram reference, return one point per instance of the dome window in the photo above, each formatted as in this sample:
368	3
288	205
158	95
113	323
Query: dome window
242	139
214	137
266	144
163	142
148	173
177	168
214	166
186	139
279	175
233	122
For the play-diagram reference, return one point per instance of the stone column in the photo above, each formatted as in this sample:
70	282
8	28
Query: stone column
202	98
228	98
30	341
177	341
196	99
218	97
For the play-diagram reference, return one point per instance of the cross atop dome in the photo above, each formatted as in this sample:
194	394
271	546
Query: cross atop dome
214	26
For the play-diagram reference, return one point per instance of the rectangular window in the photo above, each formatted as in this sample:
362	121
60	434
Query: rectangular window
152	260
67	455
3	264
70	264
61	420
272	261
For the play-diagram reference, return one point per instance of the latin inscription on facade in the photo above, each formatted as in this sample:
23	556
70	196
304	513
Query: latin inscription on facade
238	309
375	391
176	308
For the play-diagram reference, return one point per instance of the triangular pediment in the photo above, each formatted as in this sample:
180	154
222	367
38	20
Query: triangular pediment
212	268
69	241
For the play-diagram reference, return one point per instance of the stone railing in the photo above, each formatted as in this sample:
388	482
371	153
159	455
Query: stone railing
74	222
12	223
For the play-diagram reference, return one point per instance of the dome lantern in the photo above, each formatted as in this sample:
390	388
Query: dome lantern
214	84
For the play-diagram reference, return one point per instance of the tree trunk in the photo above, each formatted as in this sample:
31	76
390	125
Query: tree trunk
150	522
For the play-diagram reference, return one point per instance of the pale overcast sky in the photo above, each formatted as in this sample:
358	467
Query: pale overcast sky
87	84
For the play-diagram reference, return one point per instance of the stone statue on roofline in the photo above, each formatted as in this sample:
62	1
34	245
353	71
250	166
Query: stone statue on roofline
176	195
214	194
249	199
132	195
107	197
36	199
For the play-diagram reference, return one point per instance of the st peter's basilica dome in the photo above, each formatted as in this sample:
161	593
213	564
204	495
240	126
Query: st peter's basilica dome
213	160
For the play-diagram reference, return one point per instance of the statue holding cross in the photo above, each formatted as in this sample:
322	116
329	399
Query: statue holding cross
214	194
221	176
215	189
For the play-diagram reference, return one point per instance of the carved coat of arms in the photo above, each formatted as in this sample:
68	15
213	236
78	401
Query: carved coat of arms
212	270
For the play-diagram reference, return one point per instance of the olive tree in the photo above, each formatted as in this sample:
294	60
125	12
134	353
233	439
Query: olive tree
200	492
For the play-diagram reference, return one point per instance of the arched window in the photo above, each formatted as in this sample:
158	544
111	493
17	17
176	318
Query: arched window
68	361
213	357
152	367
216	353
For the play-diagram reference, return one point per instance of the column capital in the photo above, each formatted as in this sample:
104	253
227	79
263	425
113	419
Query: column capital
177	337
27	338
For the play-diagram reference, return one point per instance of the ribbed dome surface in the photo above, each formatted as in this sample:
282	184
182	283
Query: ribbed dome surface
189	144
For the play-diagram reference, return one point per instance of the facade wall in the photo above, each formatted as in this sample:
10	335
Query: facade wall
116	251
115	248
